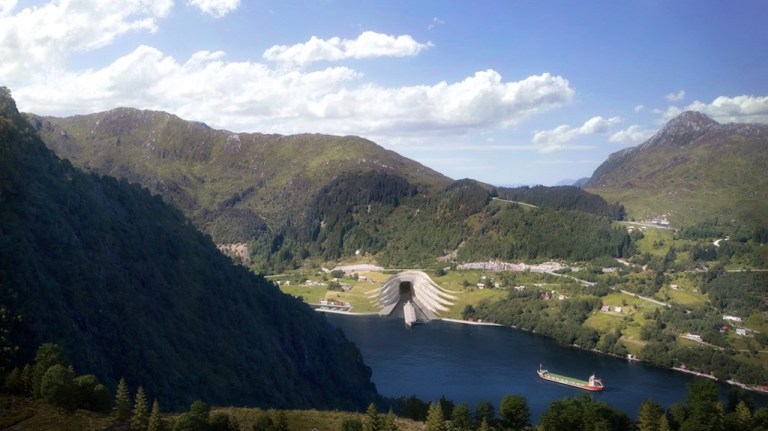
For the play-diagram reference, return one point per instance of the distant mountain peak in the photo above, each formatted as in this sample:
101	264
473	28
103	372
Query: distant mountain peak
694	120
682	130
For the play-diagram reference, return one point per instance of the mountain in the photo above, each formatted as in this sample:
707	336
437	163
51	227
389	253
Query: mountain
129	288
693	170
320	198
231	185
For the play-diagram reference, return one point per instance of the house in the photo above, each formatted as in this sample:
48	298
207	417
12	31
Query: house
605	308
617	309
481	285
732	318
519	288
673	286
741	331
362	278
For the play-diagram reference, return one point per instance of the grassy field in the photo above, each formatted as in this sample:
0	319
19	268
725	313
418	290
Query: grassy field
681	297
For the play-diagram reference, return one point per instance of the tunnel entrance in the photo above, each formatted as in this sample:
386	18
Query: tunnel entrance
415	292
406	290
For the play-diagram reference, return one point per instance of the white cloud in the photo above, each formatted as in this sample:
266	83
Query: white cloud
639	108
6	6
548	141
368	45
633	134
246	96
216	8
739	109
41	38
675	97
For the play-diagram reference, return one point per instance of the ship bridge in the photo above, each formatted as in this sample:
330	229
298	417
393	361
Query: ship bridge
413	296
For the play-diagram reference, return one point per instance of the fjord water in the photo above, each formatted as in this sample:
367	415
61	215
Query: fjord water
471	363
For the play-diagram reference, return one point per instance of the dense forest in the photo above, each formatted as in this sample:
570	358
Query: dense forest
563	197
129	288
383	215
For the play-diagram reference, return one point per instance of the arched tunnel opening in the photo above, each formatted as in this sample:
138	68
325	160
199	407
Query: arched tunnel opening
406	291
412	295
406	294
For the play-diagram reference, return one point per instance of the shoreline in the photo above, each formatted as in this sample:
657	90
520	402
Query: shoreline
753	388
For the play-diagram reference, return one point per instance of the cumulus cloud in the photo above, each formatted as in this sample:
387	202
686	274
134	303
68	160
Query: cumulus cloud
739	109
675	97
216	8
368	45
639	108
548	141
247	96
633	134
6	6
40	38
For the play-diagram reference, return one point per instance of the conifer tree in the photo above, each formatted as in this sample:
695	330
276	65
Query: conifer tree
140	418
484	425
743	415
435	419
155	423
390	422
462	417
664	424
372	419
122	402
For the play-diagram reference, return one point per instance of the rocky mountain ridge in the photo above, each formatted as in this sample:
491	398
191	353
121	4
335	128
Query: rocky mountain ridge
693	169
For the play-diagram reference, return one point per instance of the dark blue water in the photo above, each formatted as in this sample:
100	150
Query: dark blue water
468	363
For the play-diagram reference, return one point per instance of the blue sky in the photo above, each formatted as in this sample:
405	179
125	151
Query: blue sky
506	92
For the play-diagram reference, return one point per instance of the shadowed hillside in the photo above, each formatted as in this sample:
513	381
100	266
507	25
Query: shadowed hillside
130	288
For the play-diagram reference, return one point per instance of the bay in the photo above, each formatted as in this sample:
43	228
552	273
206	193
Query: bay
473	363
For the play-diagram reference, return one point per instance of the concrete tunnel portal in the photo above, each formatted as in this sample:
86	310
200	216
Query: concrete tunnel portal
412	293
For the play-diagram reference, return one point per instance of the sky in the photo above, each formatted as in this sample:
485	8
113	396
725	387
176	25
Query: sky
506	92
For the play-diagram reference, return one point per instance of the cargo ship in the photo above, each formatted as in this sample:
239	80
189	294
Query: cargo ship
593	384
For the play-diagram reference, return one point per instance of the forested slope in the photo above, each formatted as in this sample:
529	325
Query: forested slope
130	288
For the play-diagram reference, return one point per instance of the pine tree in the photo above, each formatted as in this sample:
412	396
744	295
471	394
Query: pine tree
155	423
140	418
664	423
462	417
390	422
122	402
435	419
372	419
484	425
743	415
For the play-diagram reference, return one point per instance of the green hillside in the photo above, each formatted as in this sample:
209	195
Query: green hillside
129	288
693	170
231	185
295	199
